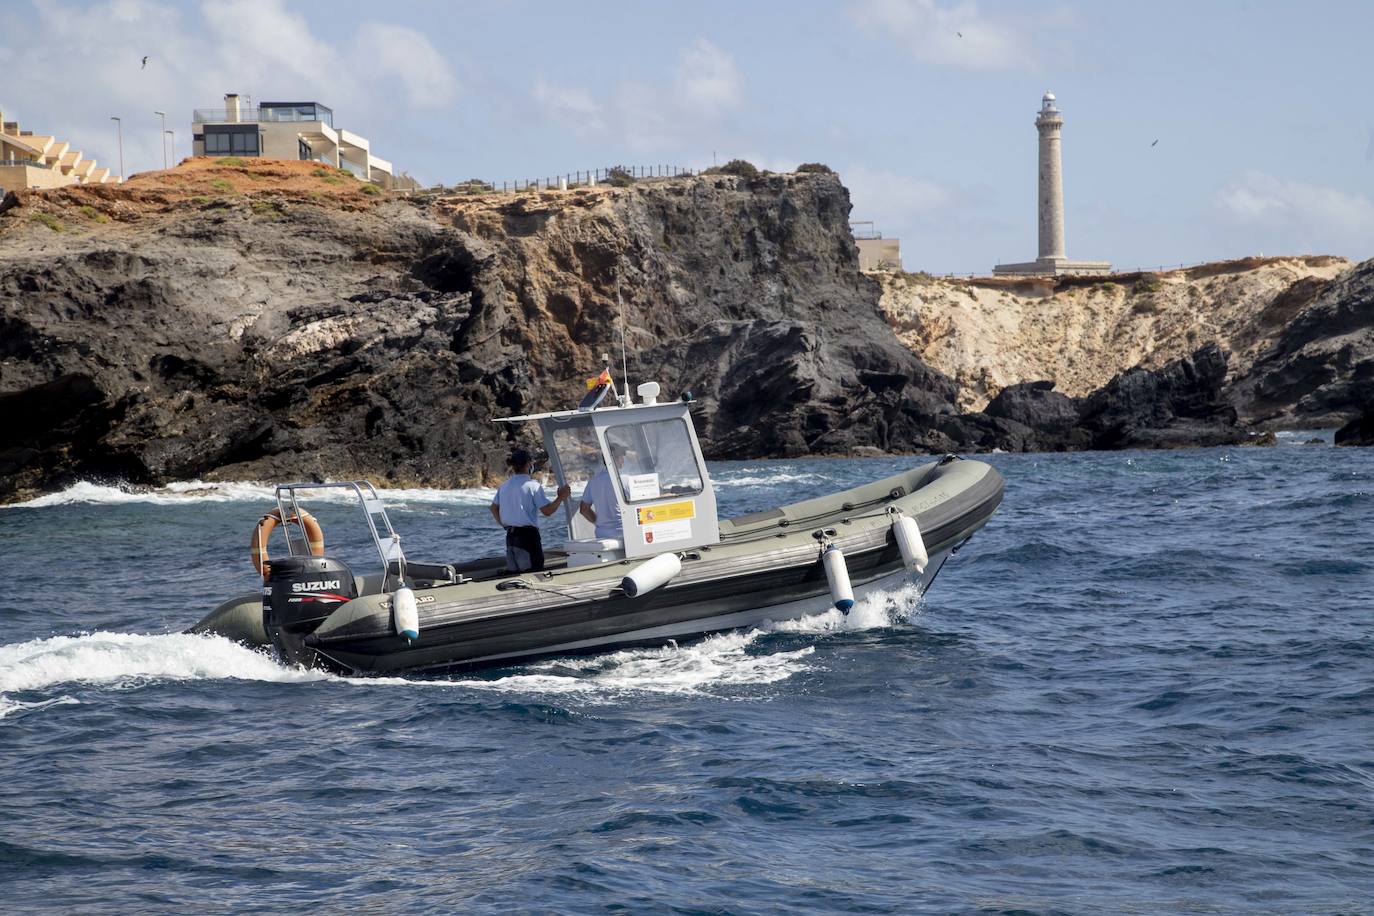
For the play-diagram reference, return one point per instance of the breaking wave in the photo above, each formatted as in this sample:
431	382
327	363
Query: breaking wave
195	491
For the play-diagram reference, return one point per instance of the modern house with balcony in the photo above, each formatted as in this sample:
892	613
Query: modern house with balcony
286	130
29	160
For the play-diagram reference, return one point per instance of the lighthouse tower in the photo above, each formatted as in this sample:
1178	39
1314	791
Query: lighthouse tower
1048	123
1051	258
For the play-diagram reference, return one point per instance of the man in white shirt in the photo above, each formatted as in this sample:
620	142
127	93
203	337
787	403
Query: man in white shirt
514	507
598	503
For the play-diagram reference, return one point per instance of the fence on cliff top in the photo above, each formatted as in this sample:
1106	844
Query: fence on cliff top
1116	271
574	179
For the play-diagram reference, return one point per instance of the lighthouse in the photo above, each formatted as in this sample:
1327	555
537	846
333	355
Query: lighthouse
1050	256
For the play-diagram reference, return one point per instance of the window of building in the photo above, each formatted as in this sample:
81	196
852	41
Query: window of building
226	140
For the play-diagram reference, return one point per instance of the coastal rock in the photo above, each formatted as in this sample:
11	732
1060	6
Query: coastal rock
1178	405
293	327
1320	369
988	333
1359	431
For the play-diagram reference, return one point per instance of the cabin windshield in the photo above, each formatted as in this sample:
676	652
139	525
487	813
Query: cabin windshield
659	460
579	454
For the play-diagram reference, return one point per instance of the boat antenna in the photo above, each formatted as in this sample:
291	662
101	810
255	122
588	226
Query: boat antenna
624	370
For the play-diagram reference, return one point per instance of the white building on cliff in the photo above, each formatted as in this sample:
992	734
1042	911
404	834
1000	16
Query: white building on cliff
287	130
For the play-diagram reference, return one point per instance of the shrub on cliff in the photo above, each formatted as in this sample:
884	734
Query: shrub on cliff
741	167
819	167
619	177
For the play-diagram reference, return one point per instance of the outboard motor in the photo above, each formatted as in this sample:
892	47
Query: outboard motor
300	592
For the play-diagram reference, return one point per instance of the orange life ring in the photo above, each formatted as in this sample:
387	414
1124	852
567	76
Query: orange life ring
314	536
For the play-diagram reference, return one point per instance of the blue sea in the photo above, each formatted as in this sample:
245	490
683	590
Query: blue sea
1147	686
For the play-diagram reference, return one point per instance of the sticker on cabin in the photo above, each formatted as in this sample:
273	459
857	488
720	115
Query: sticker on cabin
677	530
641	486
667	512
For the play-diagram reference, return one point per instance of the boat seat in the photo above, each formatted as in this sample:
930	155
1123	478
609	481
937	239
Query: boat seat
437	573
592	545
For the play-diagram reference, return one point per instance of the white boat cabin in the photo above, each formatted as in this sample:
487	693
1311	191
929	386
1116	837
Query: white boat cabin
652	456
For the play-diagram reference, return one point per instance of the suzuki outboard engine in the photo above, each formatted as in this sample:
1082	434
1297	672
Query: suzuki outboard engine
300	592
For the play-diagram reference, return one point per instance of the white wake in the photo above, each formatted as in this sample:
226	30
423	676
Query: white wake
59	664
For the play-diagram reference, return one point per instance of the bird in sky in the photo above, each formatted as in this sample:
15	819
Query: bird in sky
1153	145
960	34
145	63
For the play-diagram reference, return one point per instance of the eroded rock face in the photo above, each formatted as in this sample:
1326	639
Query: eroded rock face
1359	431
988	333
1320	369
257	337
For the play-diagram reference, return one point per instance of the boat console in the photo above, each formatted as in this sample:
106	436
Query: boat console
662	490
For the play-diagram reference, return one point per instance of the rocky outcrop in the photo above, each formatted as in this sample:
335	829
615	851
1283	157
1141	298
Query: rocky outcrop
1181	404
988	333
263	319
1320	370
269	320
1359	431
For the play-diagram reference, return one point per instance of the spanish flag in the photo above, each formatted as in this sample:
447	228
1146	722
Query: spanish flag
603	379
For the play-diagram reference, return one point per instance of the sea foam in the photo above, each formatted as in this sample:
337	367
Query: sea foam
696	667
195	491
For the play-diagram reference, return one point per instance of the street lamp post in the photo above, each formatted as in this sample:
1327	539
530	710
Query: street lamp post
163	136
174	142
119	132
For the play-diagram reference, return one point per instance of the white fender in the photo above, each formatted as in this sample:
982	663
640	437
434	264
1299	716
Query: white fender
404	613
650	574
910	543
837	573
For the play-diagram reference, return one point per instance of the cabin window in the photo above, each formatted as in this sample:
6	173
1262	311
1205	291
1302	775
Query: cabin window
659	460
579	453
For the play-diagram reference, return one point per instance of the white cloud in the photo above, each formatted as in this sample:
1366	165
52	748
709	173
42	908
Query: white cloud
409	57
955	36
571	106
708	80
892	200
1294	216
706	88
197	53
1261	199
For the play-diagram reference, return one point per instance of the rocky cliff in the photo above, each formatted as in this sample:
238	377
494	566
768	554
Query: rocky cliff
266	319
261	319
988	333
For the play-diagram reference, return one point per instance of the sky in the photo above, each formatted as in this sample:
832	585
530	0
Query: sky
1263	112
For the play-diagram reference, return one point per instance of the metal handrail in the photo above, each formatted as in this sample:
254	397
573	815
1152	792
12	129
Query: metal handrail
256	116
371	504
31	163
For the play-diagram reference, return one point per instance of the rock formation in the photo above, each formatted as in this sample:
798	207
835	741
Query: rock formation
269	319
1359	431
1319	371
261	319
988	333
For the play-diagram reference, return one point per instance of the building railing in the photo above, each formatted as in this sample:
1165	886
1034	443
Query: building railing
863	229
31	163
610	175
256	116
356	170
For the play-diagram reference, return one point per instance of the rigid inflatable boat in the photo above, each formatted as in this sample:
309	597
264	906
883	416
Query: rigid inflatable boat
677	571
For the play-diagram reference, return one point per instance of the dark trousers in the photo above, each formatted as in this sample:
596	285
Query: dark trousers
524	549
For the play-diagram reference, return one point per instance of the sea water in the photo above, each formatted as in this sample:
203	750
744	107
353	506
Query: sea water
1146	686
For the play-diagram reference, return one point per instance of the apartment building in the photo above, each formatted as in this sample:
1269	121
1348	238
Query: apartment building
30	160
287	130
